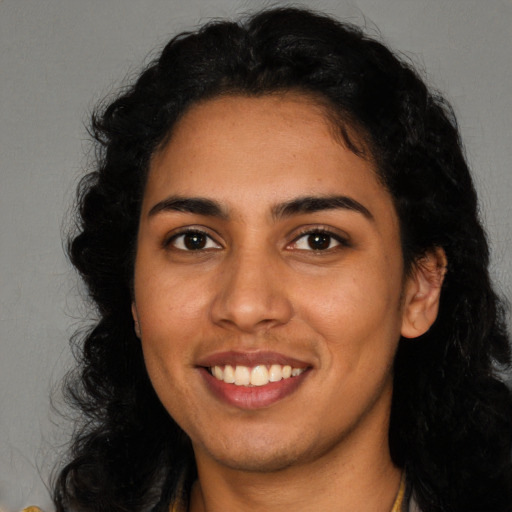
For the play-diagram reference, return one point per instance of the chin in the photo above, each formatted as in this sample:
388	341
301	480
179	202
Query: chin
270	462
264	453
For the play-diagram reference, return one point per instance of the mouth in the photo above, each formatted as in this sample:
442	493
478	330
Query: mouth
252	380
259	375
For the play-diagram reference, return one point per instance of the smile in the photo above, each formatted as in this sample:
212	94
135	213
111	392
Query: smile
259	375
253	380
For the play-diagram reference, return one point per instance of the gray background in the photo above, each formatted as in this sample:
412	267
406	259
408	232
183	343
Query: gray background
59	57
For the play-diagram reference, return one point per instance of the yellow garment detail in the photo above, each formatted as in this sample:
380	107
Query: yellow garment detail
397	506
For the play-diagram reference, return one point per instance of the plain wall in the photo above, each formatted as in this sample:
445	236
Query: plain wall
59	57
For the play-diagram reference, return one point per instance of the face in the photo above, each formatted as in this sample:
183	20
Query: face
268	285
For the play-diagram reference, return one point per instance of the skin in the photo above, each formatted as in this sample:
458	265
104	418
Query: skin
257	285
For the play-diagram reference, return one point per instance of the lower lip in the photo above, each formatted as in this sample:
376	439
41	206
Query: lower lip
255	397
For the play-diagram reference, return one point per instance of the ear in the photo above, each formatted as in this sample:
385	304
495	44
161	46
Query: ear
135	316
422	292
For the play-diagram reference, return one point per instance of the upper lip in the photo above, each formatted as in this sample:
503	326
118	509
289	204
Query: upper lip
236	358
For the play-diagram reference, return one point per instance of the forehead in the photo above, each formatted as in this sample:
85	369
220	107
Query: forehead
275	121
273	147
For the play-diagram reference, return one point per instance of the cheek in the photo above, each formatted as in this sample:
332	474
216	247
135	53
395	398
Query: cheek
169	328
354	311
169	313
169	304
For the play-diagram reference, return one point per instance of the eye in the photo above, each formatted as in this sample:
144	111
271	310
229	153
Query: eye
318	240
192	240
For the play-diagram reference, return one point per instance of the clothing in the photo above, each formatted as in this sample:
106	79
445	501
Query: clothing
408	502
398	506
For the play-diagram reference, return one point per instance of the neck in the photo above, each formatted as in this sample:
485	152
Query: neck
356	475
305	495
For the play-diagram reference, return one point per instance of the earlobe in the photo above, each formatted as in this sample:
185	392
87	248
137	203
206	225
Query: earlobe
422	293
136	324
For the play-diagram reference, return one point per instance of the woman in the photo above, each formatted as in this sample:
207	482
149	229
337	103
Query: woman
282	241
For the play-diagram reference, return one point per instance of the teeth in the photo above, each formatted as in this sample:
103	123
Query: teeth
259	375
229	374
218	373
275	373
242	376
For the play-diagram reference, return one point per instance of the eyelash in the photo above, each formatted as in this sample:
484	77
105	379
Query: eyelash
340	241
171	241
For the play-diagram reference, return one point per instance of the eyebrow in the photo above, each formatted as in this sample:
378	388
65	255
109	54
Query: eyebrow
197	205
296	206
312	204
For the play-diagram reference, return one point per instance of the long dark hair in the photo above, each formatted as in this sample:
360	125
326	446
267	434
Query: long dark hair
451	419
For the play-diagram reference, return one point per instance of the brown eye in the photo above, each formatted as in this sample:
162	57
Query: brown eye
319	241
193	241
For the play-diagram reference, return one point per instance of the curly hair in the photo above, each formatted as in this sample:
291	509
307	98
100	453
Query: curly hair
451	418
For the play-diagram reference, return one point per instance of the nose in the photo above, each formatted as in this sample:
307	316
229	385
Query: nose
251	296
